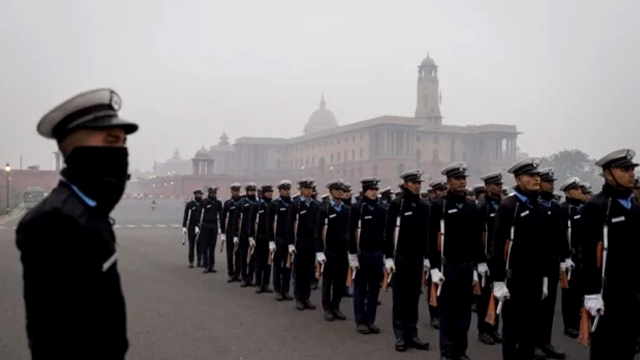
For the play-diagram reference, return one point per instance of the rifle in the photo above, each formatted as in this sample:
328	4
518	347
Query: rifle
396	235
493	311
226	226
602	249
275	228
565	275
184	237
351	274
295	237
434	292
323	237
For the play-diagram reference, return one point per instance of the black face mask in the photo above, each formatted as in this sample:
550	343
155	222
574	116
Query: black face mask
101	172
198	198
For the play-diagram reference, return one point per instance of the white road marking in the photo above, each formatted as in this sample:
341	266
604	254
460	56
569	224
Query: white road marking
131	226
146	226
161	226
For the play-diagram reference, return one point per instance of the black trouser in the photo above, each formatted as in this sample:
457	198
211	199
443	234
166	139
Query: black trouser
547	311
572	302
334	277
455	302
406	295
191	236
233	258
263	269
617	331
243	248
207	240
519	317
434	311
366	287
483	306
303	264
281	274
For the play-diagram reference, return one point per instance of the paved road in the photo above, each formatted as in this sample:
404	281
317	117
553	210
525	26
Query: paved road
180	313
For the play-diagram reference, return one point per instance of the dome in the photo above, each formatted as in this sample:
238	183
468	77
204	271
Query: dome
428	61
321	119
202	153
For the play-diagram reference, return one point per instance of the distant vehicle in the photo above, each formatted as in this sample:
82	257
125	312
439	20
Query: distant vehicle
32	196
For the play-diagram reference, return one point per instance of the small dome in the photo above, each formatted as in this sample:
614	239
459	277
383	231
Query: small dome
321	119
202	153
428	61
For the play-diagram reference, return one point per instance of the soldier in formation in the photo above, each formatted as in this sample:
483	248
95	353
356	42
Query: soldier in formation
407	259
206	231
277	225
189	222
260	233
246	244
438	189
227	226
457	260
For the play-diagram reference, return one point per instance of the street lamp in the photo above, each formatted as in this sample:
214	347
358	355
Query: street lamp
7	169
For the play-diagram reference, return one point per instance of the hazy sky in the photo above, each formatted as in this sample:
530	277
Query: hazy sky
565	72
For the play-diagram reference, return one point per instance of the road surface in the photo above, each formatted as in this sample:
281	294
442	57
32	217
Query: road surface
179	313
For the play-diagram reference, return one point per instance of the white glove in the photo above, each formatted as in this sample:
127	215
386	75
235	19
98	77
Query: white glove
390	265
272	246
292	249
184	230
427	265
252	242
436	276
475	278
320	258
594	304
223	237
545	287
500	290
197	230
236	241
483	269
353	261
563	266
569	264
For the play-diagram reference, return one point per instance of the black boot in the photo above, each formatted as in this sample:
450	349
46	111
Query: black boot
267	289
279	297
572	333
497	337
287	297
538	354
309	305
339	315
552	353
259	290
374	328
243	284
328	315
190	265
299	306
231	279
416	343
363	329
435	323
486	339
401	346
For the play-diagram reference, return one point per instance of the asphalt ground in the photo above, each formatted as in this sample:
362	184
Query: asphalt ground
179	313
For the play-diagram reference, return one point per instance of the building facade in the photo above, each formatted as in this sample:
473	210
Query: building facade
384	146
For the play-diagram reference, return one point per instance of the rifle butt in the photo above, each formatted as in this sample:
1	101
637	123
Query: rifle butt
564	279
585	327
491	311
289	260
433	295
385	281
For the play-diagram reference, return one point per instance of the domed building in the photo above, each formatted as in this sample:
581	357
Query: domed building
321	119
202	162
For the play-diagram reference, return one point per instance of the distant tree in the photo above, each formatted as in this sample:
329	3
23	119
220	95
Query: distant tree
570	163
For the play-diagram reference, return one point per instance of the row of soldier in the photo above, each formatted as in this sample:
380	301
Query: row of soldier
512	252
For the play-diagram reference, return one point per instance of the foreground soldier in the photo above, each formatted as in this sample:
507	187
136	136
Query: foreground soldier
406	258
301	224
277	224
74	303
332	245
207	229
519	260
366	243
260	233
246	244
611	222
572	290
439	189
554	232
189	222
487	207
455	250
636	189
227	226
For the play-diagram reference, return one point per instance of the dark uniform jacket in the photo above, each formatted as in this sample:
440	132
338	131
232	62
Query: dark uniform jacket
210	211
371	216
243	222
337	222
74	303
553	232
571	211
227	220
259	218
191	216
623	266
307	216
414	216
530	250
277	216
463	232
487	209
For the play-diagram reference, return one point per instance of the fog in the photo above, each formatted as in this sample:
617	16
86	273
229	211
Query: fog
564	72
